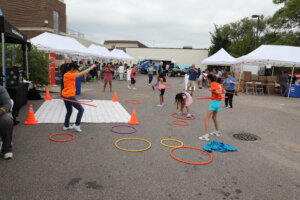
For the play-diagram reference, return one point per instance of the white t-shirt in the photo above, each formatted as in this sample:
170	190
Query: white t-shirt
121	69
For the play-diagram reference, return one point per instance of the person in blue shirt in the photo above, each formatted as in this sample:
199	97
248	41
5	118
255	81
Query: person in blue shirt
193	74
230	83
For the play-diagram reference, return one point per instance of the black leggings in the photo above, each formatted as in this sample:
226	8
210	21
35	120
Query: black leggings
229	97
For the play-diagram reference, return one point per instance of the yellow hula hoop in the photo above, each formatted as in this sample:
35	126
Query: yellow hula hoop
142	96
180	142
128	150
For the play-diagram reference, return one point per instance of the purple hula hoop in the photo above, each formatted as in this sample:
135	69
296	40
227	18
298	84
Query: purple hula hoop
133	128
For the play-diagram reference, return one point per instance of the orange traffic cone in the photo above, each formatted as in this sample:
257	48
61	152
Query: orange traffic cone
133	120
47	95
115	98
30	117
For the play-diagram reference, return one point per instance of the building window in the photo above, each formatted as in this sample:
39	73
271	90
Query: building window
56	22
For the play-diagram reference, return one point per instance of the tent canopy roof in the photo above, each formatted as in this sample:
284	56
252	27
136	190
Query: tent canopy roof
102	51
60	44
219	58
121	55
275	55
12	34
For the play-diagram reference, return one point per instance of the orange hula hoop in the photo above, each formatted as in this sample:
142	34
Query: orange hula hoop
79	102
191	163
72	137
132	101
181	123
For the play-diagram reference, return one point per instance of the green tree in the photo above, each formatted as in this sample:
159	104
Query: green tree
287	17
219	39
38	63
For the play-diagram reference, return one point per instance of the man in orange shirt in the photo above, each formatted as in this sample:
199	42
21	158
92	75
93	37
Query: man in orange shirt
69	92
213	109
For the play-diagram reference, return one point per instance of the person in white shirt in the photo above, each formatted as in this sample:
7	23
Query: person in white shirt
121	72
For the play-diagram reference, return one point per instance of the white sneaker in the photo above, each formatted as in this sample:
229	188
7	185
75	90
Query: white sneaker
160	105
227	107
216	133
68	128
188	115
204	137
77	128
8	156
134	88
129	87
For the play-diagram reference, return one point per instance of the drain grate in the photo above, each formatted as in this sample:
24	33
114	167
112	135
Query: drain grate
246	137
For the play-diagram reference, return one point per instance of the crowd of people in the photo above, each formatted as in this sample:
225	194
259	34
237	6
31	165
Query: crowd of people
70	71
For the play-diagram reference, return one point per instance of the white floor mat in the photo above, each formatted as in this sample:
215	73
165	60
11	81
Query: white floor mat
54	111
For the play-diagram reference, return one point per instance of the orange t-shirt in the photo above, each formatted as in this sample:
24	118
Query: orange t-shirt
69	85
217	87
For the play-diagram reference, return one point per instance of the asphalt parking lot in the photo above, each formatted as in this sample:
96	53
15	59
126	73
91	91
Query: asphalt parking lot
91	167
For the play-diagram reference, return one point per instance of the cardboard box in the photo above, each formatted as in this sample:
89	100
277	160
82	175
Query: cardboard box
247	76
254	78
271	89
262	78
271	78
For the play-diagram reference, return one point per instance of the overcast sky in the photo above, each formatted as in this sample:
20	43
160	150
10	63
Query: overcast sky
159	23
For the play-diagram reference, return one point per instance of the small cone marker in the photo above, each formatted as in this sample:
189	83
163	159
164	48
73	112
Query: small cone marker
47	95
115	98
30	117
133	120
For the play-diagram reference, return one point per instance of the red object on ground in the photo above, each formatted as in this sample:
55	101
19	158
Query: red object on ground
181	123
72	137
133	101
191	163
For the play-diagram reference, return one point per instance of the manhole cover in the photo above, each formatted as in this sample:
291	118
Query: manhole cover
246	137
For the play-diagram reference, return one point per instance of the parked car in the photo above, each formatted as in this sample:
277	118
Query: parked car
144	66
178	71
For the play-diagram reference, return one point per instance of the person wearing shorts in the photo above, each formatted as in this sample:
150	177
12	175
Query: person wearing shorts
193	74
132	78
214	107
161	88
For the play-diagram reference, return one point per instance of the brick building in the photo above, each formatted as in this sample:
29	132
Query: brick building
34	17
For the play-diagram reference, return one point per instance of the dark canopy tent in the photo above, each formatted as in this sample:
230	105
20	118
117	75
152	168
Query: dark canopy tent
10	34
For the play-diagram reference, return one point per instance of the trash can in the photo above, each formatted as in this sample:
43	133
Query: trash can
78	85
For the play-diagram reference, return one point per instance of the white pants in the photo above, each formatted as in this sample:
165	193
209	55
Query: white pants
121	75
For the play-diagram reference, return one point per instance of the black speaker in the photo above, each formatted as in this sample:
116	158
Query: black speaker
14	76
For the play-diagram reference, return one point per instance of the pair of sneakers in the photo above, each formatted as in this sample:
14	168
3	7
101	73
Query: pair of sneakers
187	116
75	127
129	87
206	136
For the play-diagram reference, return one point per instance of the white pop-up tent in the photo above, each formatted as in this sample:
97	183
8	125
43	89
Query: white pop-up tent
50	42
121	55
102	51
275	55
220	58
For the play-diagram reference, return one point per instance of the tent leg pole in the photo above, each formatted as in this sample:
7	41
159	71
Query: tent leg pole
291	82
3	59
26	60
273	70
